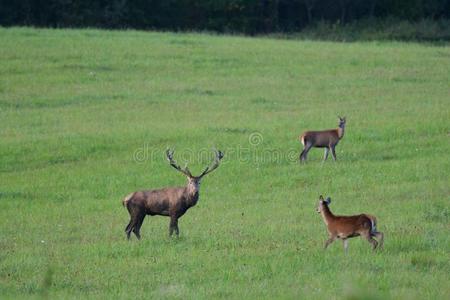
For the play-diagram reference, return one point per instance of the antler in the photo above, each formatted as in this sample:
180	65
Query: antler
209	169
172	162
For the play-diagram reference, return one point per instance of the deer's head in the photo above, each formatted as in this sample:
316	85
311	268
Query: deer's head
194	181
341	122
323	203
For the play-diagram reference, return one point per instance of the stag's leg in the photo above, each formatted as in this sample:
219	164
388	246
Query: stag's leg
304	154
134	214
137	227
345	241
333	152
130	227
173	226
325	156
380	238
301	155
329	241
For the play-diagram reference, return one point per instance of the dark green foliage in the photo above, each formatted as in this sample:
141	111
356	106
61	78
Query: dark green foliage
247	16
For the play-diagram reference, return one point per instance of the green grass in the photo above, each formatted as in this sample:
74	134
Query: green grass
85	118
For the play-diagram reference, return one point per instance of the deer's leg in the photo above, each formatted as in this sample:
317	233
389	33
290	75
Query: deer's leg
304	154
130	227
325	155
380	238
329	241
371	240
137	227
173	225
134	213
345	241
333	152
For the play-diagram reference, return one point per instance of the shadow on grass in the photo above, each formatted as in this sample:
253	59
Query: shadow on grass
431	32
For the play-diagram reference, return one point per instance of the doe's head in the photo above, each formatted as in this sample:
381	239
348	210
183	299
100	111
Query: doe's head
342	121
323	203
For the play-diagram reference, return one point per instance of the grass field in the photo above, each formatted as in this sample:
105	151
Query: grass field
86	116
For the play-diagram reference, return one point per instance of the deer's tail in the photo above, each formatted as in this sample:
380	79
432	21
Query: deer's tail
373	224
126	199
302	139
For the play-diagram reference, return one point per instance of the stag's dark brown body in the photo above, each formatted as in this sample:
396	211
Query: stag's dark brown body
327	139
172	202
163	202
345	227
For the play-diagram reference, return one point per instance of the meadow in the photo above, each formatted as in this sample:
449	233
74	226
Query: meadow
86	116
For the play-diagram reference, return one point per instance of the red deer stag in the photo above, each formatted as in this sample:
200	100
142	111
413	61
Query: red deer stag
172	202
327	139
345	227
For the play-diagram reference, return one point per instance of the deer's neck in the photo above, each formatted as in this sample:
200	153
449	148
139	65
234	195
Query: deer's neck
340	132
192	194
327	215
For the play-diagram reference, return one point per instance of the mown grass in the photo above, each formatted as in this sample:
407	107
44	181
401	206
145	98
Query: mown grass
87	114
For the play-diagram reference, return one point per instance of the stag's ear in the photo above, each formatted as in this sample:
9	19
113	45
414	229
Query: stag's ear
328	201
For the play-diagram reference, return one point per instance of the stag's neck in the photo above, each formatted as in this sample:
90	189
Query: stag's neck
192	195
327	215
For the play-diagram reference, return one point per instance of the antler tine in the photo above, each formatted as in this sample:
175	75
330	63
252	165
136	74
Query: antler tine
185	171
209	169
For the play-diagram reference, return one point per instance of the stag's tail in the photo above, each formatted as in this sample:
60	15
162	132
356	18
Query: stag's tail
302	139
126	199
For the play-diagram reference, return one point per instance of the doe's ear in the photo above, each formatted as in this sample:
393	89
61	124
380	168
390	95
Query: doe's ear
328	201
321	197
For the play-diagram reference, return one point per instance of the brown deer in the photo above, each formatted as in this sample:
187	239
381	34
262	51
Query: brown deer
172	202
327	139
345	227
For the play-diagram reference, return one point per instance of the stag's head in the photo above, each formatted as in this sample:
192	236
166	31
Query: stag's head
323	203
194	181
341	122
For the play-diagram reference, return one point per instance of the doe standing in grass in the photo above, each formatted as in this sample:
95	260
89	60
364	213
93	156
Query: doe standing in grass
327	139
345	227
172	202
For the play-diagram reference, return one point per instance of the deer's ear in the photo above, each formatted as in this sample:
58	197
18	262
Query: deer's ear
321	197
328	201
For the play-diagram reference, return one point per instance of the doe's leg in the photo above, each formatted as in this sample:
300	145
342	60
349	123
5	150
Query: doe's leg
329	241
325	156
371	240
304	154
380	238
345	241
333	152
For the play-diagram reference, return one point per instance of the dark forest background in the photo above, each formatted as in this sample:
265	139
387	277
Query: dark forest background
243	16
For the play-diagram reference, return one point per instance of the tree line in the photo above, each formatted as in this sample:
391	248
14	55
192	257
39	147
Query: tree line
246	16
